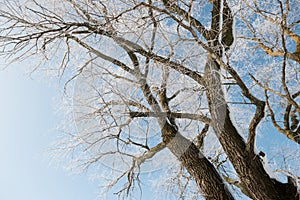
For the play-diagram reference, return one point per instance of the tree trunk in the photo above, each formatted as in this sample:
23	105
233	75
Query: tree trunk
203	172
247	164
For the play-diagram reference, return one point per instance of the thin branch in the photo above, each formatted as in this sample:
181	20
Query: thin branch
101	55
283	71
266	87
294	136
237	184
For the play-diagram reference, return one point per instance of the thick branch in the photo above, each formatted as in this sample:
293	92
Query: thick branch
187	17
278	53
200	137
258	116
198	166
198	117
149	154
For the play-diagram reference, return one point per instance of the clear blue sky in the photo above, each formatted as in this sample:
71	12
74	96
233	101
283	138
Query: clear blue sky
27	120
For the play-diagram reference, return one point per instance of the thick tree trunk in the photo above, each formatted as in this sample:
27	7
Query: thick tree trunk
204	173
249	167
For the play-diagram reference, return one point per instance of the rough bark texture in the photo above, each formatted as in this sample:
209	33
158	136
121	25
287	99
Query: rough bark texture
247	164
203	172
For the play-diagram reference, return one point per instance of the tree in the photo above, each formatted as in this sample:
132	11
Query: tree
162	80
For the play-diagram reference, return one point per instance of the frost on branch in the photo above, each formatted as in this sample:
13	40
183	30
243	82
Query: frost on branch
195	86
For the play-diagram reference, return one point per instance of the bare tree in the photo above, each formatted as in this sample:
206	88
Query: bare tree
154	82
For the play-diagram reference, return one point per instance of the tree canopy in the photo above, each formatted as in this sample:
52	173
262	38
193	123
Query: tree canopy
195	93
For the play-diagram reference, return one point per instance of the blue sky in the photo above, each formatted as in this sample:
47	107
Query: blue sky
27	120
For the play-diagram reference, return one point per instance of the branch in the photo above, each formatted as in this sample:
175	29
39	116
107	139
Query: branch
237	184
215	24
293	56
149	154
286	30
137	48
83	11
227	26
258	116
266	87
286	119
283	71
101	55
288	130
198	117
200	137
153	36
187	17
294	136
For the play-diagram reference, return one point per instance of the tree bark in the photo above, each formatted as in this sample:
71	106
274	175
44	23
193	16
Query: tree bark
203	172
247	164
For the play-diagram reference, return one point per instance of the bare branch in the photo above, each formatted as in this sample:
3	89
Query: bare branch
152	151
187	17
198	117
